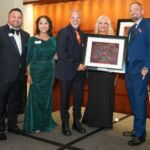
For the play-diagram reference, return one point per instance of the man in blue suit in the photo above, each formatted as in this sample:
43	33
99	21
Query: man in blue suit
71	72
137	72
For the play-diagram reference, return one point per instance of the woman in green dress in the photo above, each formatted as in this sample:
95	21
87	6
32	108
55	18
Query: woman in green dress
40	69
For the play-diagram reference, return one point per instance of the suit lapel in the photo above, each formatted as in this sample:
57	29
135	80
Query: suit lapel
12	39
22	41
137	31
74	34
132	37
15	45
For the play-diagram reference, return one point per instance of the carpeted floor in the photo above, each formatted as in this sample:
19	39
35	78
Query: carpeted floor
94	139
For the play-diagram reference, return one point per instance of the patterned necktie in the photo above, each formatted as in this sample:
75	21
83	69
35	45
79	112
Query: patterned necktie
133	31
13	31
78	37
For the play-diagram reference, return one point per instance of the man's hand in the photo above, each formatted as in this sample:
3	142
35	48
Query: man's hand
81	67
144	72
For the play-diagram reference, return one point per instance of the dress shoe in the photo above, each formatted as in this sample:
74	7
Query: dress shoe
15	130
3	135
136	141
78	127
129	133
65	129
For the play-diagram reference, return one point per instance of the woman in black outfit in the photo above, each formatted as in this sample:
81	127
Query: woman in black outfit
99	110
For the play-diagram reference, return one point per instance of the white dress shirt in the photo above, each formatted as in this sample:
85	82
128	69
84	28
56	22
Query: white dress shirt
18	40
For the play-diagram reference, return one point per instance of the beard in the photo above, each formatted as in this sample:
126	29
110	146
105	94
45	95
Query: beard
75	26
135	18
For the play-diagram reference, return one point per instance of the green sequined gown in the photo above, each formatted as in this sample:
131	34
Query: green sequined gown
42	69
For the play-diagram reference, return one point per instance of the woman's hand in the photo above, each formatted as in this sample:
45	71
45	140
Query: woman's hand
55	56
29	79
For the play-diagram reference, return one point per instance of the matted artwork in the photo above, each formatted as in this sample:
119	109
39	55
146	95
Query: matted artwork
105	53
123	26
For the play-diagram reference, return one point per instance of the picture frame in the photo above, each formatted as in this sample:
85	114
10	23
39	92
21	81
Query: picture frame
105	53
123	26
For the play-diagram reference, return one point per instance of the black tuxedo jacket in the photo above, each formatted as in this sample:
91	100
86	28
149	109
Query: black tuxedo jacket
12	64
70	53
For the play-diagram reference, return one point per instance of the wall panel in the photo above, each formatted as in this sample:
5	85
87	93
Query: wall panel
90	10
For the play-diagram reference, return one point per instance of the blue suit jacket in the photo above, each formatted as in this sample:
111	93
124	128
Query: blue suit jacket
70	53
139	47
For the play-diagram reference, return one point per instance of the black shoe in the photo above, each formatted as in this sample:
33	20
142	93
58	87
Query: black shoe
78	127
136	141
3	135
65	129
129	133
15	130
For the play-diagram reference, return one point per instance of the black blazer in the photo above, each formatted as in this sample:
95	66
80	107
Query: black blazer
12	64
70	53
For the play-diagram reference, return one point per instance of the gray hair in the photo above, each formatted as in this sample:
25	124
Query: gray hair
75	10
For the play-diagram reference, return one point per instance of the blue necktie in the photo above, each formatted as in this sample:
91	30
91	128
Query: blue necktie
132	31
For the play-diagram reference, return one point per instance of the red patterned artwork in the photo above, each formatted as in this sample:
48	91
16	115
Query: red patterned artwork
126	29
104	53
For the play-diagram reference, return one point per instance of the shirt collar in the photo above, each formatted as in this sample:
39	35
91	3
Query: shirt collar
138	22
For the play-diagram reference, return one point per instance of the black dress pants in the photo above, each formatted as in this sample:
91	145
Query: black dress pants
75	86
9	94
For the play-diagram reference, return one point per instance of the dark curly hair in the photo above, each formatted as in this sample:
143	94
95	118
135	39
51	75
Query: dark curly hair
49	22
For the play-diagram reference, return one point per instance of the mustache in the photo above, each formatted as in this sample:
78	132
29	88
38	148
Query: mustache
134	18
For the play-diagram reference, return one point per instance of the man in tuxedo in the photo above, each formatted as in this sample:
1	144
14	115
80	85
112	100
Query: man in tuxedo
137	72
71	72
13	49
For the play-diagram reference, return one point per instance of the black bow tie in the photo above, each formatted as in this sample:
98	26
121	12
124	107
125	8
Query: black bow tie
13	31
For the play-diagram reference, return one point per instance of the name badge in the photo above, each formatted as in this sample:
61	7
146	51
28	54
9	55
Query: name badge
37	42
10	34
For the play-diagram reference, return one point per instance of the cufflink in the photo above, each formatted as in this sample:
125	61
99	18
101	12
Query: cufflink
146	68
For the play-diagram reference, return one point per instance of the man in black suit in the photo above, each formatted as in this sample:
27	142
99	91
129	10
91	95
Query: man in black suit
13	49
70	71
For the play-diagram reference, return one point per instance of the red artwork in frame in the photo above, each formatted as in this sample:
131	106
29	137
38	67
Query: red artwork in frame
105	53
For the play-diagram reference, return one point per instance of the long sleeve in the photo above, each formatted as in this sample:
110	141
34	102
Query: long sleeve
147	38
62	48
30	51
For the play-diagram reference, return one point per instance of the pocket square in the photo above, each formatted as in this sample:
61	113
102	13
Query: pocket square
10	34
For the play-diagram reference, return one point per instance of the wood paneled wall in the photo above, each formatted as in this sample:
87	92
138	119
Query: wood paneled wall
90	11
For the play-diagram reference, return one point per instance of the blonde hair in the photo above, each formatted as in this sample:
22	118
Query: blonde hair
110	29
